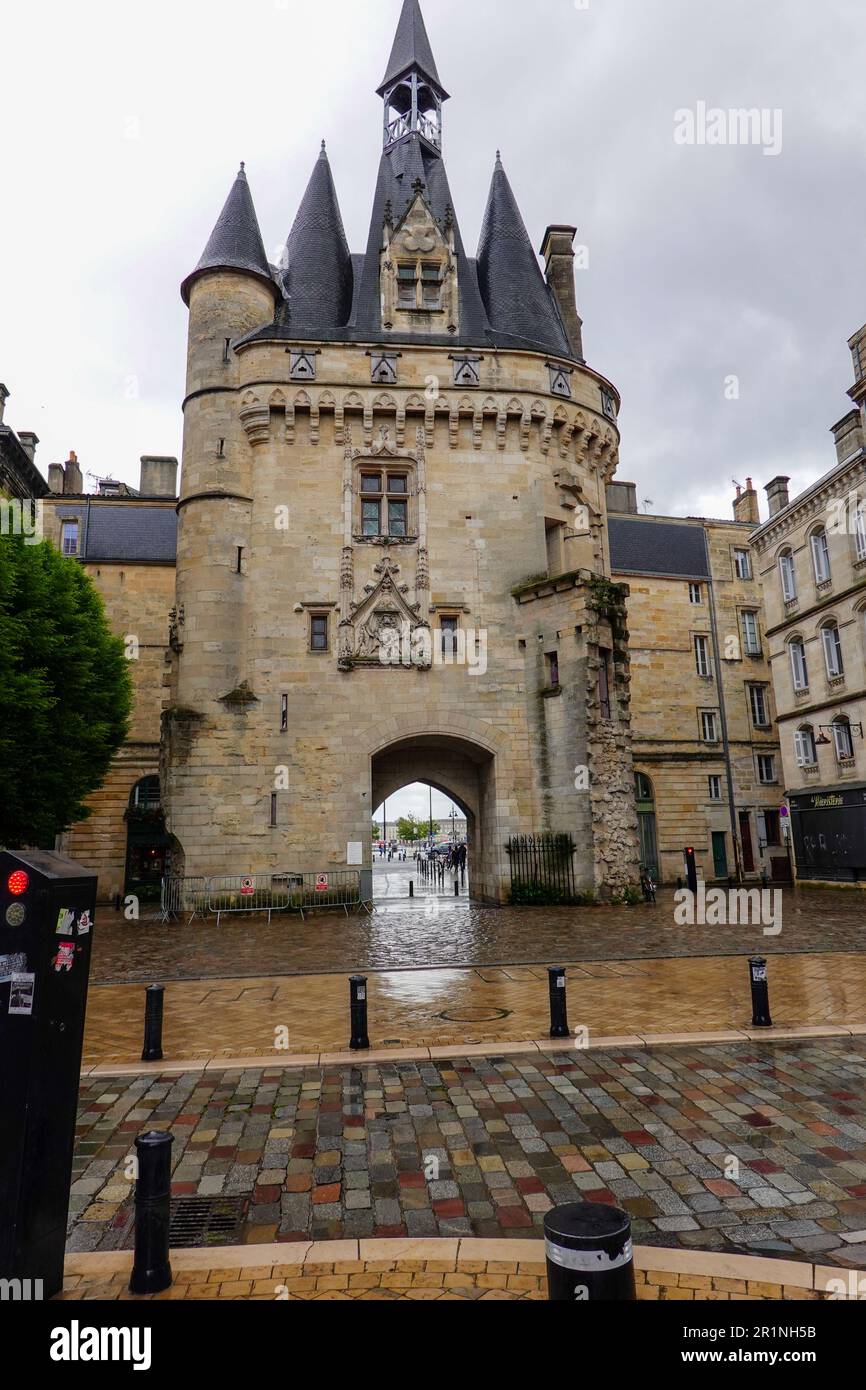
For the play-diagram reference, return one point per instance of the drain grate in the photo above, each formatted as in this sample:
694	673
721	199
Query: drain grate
206	1221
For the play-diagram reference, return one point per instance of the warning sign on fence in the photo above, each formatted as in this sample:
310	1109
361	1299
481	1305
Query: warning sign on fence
248	887
321	883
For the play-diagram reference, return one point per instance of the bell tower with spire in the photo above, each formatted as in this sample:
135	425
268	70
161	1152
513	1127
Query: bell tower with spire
411	90
404	443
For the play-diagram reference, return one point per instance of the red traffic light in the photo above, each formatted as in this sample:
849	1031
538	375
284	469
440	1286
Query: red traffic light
18	882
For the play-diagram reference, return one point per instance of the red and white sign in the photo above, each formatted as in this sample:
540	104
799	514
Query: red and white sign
248	887
321	883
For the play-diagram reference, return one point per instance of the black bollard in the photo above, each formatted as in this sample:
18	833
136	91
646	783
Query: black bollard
411	888
760	993
457	888
153	1010
589	1254
558	1008
358	1009
151	1270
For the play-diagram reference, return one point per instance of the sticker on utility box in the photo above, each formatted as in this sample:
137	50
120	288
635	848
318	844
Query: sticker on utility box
65	958
21	991
321	883
14	964
84	922
15	914
65	921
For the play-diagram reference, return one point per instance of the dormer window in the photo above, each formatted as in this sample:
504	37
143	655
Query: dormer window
419	285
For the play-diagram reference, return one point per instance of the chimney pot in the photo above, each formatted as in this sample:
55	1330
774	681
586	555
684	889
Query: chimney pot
28	441
4	396
558	252
777	495
158	476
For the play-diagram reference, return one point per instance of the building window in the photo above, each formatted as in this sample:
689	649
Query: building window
766	768
742	564
383	368
69	538
709	726
860	530
385	505
858	355
758	705
832	651
318	632
419	285
805	751
608	404
273	809
303	365
284	714
560	380
772	835
696	593
552	664
449	628
843	740
702	656
751	638
820	556
146	795
788	577
240	559
467	371
715	787
799	666
604	682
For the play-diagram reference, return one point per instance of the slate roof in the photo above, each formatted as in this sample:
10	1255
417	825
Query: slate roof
130	533
236	241
318	280
518	300
656	547
411	50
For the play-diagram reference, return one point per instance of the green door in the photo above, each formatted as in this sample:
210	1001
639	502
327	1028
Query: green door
720	854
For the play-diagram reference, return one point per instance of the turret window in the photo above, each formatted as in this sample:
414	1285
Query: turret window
385	505
419	285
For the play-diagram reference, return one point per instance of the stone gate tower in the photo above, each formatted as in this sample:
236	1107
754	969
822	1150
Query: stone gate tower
392	546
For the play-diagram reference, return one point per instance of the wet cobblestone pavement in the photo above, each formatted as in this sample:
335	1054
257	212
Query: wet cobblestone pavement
749	1148
441	932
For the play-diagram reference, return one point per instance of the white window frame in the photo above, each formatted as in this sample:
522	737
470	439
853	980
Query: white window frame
844	746
709	726
751	633
714	784
743	564
831	640
799	664
702	656
769	760
860	530
696	594
805	750
74	527
820	556
788	572
758	696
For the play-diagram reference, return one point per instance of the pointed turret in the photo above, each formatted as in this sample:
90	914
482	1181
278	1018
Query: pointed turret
318	277
411	51
235	242
516	297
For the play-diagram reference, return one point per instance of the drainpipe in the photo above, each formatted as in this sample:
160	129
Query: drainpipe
722	711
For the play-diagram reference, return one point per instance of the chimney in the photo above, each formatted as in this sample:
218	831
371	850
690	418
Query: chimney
848	434
622	498
73	482
55	477
777	495
746	505
158	476
558	252
4	396
28	441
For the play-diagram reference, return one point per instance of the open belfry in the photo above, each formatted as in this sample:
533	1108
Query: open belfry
392	560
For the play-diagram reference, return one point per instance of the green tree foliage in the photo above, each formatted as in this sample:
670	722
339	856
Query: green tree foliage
65	692
376	831
411	830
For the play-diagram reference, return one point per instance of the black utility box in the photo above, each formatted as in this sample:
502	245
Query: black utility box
47	906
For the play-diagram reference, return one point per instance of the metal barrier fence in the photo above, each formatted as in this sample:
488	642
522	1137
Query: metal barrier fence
179	895
336	888
259	893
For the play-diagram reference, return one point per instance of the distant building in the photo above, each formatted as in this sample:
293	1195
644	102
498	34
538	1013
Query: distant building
705	747
811	558
19	477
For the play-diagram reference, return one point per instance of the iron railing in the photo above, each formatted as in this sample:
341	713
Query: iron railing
541	866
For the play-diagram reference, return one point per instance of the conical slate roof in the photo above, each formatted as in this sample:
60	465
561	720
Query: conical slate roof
411	50
318	277
515	293
235	242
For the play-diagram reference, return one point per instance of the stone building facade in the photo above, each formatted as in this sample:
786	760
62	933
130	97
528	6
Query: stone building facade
811	558
705	745
20	479
392	459
125	540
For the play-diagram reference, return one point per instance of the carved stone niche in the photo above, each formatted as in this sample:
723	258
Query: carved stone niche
418	272
380	629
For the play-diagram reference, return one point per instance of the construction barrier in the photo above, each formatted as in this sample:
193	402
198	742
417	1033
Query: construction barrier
336	888
262	893
179	895
257	893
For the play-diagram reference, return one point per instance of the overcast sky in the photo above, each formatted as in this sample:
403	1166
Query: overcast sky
123	126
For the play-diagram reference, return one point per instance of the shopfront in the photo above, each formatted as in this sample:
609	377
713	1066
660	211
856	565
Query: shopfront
829	829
